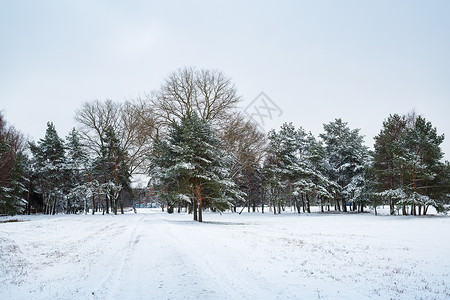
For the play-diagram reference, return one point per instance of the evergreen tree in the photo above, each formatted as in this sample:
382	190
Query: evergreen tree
315	157
191	167
408	164
17	193
280	164
304	175
422	162
386	159
13	170
111	171
77	163
347	156
295	169
50	170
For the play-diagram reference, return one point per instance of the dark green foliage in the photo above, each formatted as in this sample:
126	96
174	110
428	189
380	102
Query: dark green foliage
347	155
190	167
13	175
295	169
77	164
50	170
14	186
408	166
111	171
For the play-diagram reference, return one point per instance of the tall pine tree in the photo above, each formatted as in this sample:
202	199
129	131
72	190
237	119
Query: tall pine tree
14	170
190	166
408	164
347	157
77	162
50	170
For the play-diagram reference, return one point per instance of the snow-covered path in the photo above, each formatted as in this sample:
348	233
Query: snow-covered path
152	255
178	261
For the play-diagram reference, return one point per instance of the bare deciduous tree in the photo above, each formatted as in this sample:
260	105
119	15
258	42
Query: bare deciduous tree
94	118
208	93
245	140
133	122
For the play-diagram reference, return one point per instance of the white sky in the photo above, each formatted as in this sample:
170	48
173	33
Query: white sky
317	60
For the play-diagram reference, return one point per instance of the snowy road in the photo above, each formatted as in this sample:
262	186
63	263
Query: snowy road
171	259
151	255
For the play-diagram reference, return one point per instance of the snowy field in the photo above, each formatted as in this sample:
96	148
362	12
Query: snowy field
153	255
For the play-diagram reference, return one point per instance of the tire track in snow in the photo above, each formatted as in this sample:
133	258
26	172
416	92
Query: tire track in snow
109	286
139	275
167	260
218	269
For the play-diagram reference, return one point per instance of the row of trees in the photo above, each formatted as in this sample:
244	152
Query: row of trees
200	153
291	167
67	176
300	169
405	170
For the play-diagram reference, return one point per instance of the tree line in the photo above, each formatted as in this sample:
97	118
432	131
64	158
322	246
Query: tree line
201	153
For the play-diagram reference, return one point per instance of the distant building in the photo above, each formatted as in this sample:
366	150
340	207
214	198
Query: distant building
146	197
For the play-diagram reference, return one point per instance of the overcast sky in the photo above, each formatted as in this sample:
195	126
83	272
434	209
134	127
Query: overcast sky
316	60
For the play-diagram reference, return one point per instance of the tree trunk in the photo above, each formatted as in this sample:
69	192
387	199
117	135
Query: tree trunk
54	207
107	205
391	207
262	202
93	204
344	206
274	206
303	203
195	210
308	206
69	208
114	200
200	210
121	203
279	206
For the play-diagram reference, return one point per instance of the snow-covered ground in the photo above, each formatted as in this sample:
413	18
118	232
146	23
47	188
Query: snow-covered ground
153	255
